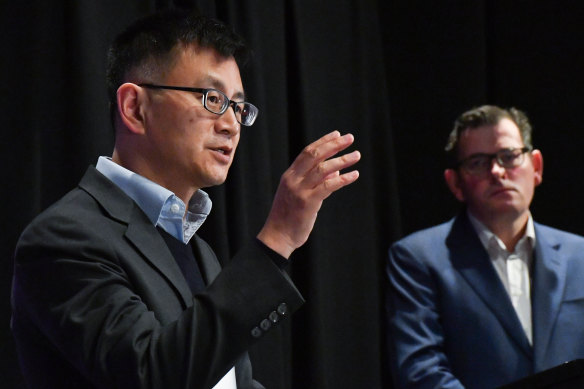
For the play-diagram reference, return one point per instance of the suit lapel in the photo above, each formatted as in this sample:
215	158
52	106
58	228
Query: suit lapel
549	276
140	231
472	261
208	263
151	245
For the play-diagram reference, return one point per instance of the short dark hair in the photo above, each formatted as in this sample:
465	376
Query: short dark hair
149	43
486	115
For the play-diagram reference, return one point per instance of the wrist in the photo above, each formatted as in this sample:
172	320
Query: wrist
276	241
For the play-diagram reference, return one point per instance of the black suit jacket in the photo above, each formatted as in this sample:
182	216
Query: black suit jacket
99	301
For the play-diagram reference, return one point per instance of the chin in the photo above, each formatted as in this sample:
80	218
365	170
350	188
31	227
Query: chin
212	176
509	210
214	181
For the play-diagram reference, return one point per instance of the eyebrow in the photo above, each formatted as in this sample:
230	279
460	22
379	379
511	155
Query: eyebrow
218	84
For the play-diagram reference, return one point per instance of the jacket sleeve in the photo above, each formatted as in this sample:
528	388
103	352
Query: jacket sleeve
73	291
415	333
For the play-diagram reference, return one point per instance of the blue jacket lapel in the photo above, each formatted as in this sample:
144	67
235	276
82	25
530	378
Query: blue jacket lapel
471	259
549	279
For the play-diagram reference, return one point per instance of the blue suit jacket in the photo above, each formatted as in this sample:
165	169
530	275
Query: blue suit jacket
451	323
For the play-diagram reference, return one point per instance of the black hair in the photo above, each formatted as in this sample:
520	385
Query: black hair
149	42
486	115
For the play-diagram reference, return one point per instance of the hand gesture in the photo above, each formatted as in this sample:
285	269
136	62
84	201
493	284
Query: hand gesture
310	179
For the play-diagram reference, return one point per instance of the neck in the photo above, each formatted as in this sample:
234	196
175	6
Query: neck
142	168
508	229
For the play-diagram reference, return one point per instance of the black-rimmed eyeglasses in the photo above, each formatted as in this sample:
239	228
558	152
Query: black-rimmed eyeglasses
217	102
478	164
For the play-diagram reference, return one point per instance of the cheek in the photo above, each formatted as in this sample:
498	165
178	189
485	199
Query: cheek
529	187
526	179
473	188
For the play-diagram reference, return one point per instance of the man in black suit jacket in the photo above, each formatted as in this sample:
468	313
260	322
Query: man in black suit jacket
112	288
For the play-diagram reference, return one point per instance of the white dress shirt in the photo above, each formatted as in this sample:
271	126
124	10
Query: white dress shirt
513	268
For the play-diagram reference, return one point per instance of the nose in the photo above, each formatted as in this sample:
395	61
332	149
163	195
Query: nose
496	169
227	123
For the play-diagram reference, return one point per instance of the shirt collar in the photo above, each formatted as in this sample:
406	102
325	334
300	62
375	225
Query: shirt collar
162	207
487	237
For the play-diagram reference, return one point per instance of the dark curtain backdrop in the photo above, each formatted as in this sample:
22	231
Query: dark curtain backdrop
394	73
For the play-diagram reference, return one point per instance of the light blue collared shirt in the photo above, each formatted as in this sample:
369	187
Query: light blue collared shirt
162	207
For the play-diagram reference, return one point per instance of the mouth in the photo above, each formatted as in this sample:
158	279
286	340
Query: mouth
502	190
223	150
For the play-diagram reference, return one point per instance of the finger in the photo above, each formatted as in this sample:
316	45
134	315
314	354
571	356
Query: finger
319	151
325	169
333	184
333	175
325	138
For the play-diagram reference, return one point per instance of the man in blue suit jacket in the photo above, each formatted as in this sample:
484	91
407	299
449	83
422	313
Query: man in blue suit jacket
490	296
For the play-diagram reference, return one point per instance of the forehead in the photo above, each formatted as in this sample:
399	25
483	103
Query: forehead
490	138
204	67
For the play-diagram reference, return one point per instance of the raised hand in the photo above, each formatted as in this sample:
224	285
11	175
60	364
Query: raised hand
311	178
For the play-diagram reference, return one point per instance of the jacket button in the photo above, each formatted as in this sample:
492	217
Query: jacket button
274	317
256	332
283	309
265	324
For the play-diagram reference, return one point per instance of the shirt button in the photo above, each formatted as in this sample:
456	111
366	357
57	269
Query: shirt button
175	208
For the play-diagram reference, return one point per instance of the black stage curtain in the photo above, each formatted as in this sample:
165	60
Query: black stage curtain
394	73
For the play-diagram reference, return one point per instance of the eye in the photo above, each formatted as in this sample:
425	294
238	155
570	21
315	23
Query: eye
478	162
215	98
508	156
243	109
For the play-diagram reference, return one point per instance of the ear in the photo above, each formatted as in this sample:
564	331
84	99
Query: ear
130	101
537	161
453	182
